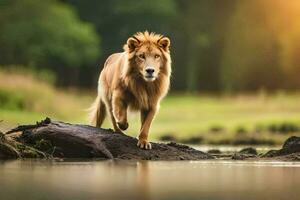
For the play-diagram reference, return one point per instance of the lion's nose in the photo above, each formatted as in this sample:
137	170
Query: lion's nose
150	71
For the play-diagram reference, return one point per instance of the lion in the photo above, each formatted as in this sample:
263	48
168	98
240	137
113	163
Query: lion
136	79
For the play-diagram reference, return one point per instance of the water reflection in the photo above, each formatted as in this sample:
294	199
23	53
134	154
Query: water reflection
149	180
143	181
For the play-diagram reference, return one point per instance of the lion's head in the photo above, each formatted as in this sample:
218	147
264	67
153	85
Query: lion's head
148	55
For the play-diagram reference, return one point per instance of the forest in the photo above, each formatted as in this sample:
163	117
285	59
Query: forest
217	46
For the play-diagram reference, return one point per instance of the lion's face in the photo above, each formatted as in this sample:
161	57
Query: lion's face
149	61
148	54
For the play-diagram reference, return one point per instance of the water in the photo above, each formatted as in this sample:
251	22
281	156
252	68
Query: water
149	180
230	148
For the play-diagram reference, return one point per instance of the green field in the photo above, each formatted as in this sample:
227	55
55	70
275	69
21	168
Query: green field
26	99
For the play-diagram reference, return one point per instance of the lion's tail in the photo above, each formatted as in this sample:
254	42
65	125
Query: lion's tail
97	112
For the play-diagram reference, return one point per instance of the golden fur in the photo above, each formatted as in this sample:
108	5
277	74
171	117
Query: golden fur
136	79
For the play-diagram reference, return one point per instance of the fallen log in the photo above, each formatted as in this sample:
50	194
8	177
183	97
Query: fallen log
53	139
63	140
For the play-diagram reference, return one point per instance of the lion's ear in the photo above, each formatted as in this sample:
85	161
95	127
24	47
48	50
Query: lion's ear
164	43
132	43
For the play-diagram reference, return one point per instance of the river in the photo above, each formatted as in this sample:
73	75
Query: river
146	180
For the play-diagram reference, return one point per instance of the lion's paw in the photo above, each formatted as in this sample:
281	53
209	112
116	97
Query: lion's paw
144	144
123	126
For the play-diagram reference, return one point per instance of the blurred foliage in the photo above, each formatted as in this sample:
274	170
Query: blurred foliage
26	96
44	75
233	45
256	54
11	100
45	33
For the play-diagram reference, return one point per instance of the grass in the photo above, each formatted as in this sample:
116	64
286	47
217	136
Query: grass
214	118
186	116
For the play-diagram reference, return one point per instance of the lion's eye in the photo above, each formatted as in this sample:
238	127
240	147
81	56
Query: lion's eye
142	56
157	56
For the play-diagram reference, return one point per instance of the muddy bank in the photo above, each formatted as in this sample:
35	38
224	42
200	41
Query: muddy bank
52	139
290	151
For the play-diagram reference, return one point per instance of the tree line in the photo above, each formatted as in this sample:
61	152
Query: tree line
234	45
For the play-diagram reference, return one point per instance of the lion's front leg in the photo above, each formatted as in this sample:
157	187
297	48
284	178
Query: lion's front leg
147	117
120	110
